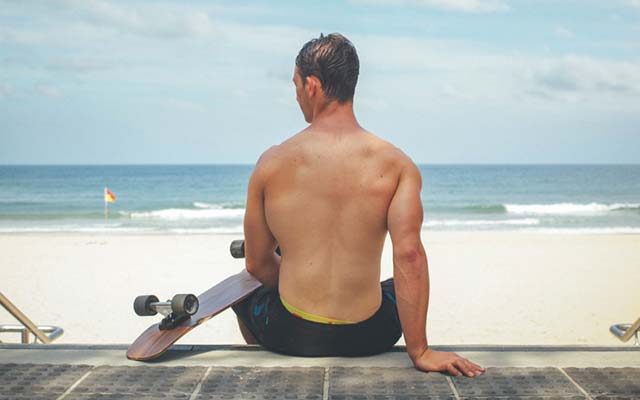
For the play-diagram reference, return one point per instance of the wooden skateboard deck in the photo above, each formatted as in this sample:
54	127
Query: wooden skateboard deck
154	342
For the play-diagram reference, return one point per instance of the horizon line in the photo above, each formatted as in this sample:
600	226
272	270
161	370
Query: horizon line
253	164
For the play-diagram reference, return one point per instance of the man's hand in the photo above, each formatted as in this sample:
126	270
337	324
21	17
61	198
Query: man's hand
438	361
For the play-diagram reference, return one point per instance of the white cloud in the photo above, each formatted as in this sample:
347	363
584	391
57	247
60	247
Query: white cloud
372	103
473	6
577	75
19	36
5	90
160	22
454	92
426	69
563	32
48	91
420	68
82	64
432	55
634	3
270	38
173	104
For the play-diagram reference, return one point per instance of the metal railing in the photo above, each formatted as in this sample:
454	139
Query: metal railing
624	332
53	331
39	332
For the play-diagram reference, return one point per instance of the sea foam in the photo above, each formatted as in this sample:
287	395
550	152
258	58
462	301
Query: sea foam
586	231
459	222
76	229
568	208
216	230
174	214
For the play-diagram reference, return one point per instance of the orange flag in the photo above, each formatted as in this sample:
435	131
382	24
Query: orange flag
109	197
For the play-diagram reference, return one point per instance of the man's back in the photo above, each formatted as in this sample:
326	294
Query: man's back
326	200
327	197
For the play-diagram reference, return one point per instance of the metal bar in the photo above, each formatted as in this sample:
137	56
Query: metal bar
24	320
625	332
163	307
54	331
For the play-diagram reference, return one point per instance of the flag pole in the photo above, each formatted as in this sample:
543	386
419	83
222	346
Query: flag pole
106	204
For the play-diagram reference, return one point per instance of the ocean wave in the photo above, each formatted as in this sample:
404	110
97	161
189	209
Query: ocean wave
568	208
621	230
218	206
579	231
458	222
140	229
199	204
485	208
218	230
20	203
78	229
45	216
174	214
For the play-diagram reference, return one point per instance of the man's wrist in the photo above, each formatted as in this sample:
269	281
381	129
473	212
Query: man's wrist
416	351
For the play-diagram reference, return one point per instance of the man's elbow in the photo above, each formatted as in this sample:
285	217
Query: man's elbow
266	272
256	266
410	265
251	266
413	254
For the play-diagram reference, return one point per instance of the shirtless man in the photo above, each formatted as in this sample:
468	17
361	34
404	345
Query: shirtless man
327	197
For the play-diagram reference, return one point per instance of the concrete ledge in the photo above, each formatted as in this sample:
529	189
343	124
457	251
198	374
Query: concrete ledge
255	356
189	372
395	349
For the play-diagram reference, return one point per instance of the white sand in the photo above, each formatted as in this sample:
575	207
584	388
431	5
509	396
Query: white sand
486	288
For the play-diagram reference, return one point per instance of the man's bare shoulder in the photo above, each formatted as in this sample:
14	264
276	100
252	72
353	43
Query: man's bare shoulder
277	154
391	152
268	161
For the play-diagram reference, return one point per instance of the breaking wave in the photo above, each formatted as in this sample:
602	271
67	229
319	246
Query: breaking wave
568	208
459	222
174	214
218	206
588	231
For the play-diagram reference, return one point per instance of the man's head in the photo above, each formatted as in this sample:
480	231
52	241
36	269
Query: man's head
326	70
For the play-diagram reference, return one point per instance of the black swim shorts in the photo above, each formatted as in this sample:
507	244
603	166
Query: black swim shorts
277	330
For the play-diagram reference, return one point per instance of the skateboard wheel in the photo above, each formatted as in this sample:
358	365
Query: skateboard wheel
237	249
184	304
142	305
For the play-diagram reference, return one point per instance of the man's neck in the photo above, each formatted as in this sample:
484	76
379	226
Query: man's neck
335	117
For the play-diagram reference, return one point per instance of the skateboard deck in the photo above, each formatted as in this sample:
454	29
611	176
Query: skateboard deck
153	342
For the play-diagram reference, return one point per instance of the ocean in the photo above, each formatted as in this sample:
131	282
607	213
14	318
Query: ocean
190	199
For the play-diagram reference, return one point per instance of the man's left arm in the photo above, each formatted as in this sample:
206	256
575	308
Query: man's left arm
259	243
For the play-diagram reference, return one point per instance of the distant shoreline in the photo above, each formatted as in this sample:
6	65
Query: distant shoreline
251	164
212	198
425	232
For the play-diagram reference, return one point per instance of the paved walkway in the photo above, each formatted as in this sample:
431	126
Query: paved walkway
247	372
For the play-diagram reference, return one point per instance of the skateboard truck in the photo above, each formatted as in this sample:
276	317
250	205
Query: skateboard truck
175	311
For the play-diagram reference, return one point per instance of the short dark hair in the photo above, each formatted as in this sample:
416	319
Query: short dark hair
334	61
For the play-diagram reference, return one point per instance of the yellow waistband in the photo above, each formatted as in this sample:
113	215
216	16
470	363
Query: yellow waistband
311	317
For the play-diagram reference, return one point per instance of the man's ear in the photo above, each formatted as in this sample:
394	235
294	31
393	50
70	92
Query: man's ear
313	85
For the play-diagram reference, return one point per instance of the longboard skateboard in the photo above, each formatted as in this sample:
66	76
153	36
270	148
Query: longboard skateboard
159	337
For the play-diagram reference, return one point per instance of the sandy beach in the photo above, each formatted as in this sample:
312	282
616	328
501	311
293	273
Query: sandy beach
486	287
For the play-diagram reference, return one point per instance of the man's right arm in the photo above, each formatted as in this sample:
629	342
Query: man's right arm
411	277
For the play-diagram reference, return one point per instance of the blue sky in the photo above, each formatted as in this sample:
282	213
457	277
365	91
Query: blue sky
448	81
